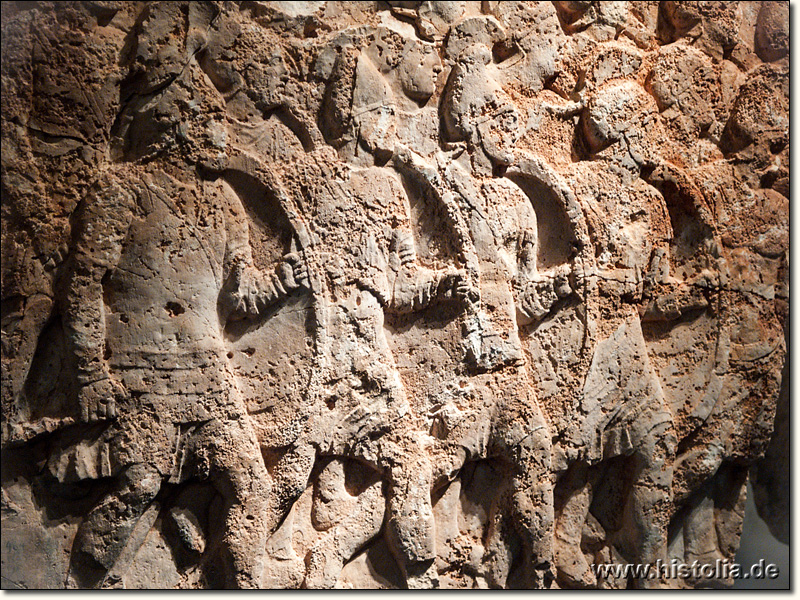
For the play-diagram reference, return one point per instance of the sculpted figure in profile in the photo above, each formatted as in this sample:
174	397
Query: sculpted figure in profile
498	230
161	261
627	414
364	265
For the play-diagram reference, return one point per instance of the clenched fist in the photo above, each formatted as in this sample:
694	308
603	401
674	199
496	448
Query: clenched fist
98	400
461	287
294	272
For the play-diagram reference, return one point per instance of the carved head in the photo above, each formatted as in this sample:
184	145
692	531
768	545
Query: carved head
476	110
418	70
619	112
373	108
361	99
414	64
187	116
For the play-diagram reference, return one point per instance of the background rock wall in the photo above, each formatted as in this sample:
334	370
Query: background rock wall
390	294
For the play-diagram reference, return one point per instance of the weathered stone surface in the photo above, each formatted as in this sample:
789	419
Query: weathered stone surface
403	294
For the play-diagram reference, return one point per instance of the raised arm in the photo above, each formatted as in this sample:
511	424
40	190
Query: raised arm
536	290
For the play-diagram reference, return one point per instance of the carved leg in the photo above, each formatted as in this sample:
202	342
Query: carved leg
650	501
532	502
340	542
291	475
574	493
106	531
332	502
411	526
498	555
525	442
239	474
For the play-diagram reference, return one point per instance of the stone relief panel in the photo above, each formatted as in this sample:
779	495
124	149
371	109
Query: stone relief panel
390	295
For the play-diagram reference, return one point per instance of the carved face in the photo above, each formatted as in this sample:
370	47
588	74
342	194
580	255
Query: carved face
617	108
477	110
499	134
418	71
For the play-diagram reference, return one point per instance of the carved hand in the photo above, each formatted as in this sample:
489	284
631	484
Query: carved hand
98	400
461	287
561	282
537	299
294	272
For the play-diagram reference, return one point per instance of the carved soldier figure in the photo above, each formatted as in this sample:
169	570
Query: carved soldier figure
626	410
161	261
365	266
499	231
369	269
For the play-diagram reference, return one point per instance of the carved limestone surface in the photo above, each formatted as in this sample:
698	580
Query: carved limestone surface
391	294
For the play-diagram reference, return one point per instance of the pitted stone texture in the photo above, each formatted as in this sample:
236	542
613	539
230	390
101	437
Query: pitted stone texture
390	295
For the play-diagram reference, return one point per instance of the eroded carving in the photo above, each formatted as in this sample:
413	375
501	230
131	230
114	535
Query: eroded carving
430	294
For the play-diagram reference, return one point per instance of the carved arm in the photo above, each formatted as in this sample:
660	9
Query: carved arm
102	226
